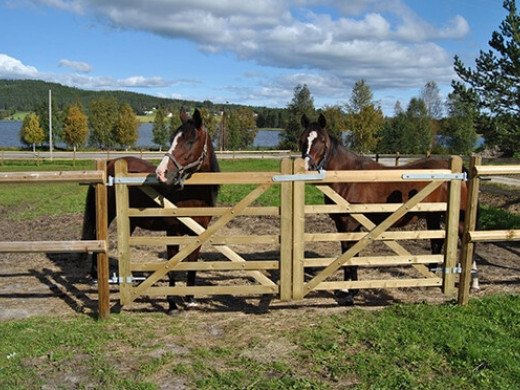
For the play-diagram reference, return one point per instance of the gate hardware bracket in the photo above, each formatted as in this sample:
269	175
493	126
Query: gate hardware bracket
118	279
447	271
301	176
131	180
435	176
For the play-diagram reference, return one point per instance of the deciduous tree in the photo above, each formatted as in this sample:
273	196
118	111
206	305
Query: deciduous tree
126	129
75	131
102	119
31	131
364	119
159	130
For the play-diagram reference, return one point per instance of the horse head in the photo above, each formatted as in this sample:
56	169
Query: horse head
187	152
314	143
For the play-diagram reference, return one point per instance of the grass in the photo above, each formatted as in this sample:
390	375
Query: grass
401	347
419	346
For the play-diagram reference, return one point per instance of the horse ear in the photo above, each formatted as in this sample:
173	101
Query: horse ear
322	121
305	121
197	117
184	116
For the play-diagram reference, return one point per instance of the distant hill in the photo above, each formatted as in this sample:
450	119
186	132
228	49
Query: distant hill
27	95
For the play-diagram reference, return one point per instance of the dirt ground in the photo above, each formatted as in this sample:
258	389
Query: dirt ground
59	284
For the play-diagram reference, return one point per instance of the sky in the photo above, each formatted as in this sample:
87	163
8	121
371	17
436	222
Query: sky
250	52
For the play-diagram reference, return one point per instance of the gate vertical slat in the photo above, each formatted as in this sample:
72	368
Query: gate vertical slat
123	233
286	215
470	223
452	228
298	231
102	234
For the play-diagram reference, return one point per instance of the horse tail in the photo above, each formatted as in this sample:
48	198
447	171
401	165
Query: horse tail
89	216
89	228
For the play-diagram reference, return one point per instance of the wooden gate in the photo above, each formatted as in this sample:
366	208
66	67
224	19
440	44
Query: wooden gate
324	279
255	281
284	276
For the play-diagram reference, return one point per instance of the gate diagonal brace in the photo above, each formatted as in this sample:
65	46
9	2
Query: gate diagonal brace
199	229
369	225
365	241
203	237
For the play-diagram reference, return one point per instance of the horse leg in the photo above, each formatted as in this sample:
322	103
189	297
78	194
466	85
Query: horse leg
171	251
345	297
190	281
433	222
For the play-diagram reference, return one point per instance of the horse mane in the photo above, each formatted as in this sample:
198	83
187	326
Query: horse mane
349	160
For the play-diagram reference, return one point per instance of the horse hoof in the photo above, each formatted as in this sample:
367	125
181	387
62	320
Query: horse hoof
344	298
173	312
191	305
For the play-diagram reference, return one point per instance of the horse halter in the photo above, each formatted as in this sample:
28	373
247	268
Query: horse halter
315	165
185	171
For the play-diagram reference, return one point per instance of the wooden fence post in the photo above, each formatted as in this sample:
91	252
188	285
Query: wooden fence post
123	233
470	222
452	228
286	221
298	231
102	234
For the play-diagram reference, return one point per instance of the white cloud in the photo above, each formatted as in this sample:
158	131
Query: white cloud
294	34
385	42
11	68
82	67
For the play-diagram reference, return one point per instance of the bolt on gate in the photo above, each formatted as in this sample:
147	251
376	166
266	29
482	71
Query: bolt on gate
285	275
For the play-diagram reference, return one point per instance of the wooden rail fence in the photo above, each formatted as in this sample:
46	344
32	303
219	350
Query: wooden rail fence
472	235
291	238
99	246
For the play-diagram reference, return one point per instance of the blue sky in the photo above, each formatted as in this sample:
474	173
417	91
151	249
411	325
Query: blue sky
246	52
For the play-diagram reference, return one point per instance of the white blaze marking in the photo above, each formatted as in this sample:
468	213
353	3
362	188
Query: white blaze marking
162	167
312	136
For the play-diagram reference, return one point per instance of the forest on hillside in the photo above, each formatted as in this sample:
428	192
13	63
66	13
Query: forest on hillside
29	95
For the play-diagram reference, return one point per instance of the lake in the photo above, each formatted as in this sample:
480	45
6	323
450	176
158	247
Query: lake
9	136
10	130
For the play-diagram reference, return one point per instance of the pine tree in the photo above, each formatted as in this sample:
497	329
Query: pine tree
302	103
493	84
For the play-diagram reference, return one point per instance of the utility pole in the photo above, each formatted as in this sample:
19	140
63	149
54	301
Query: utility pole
50	124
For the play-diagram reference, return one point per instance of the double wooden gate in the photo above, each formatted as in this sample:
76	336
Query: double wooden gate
283	272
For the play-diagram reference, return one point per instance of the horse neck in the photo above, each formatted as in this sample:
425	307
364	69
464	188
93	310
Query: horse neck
341	159
210	162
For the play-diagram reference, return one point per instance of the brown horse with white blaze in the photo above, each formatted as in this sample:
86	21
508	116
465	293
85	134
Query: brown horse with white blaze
321	150
191	151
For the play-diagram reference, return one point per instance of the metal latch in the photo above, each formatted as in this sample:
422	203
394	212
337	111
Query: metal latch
301	177
131	180
435	176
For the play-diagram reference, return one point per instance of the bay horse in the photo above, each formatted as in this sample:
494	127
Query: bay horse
191	151
321	150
